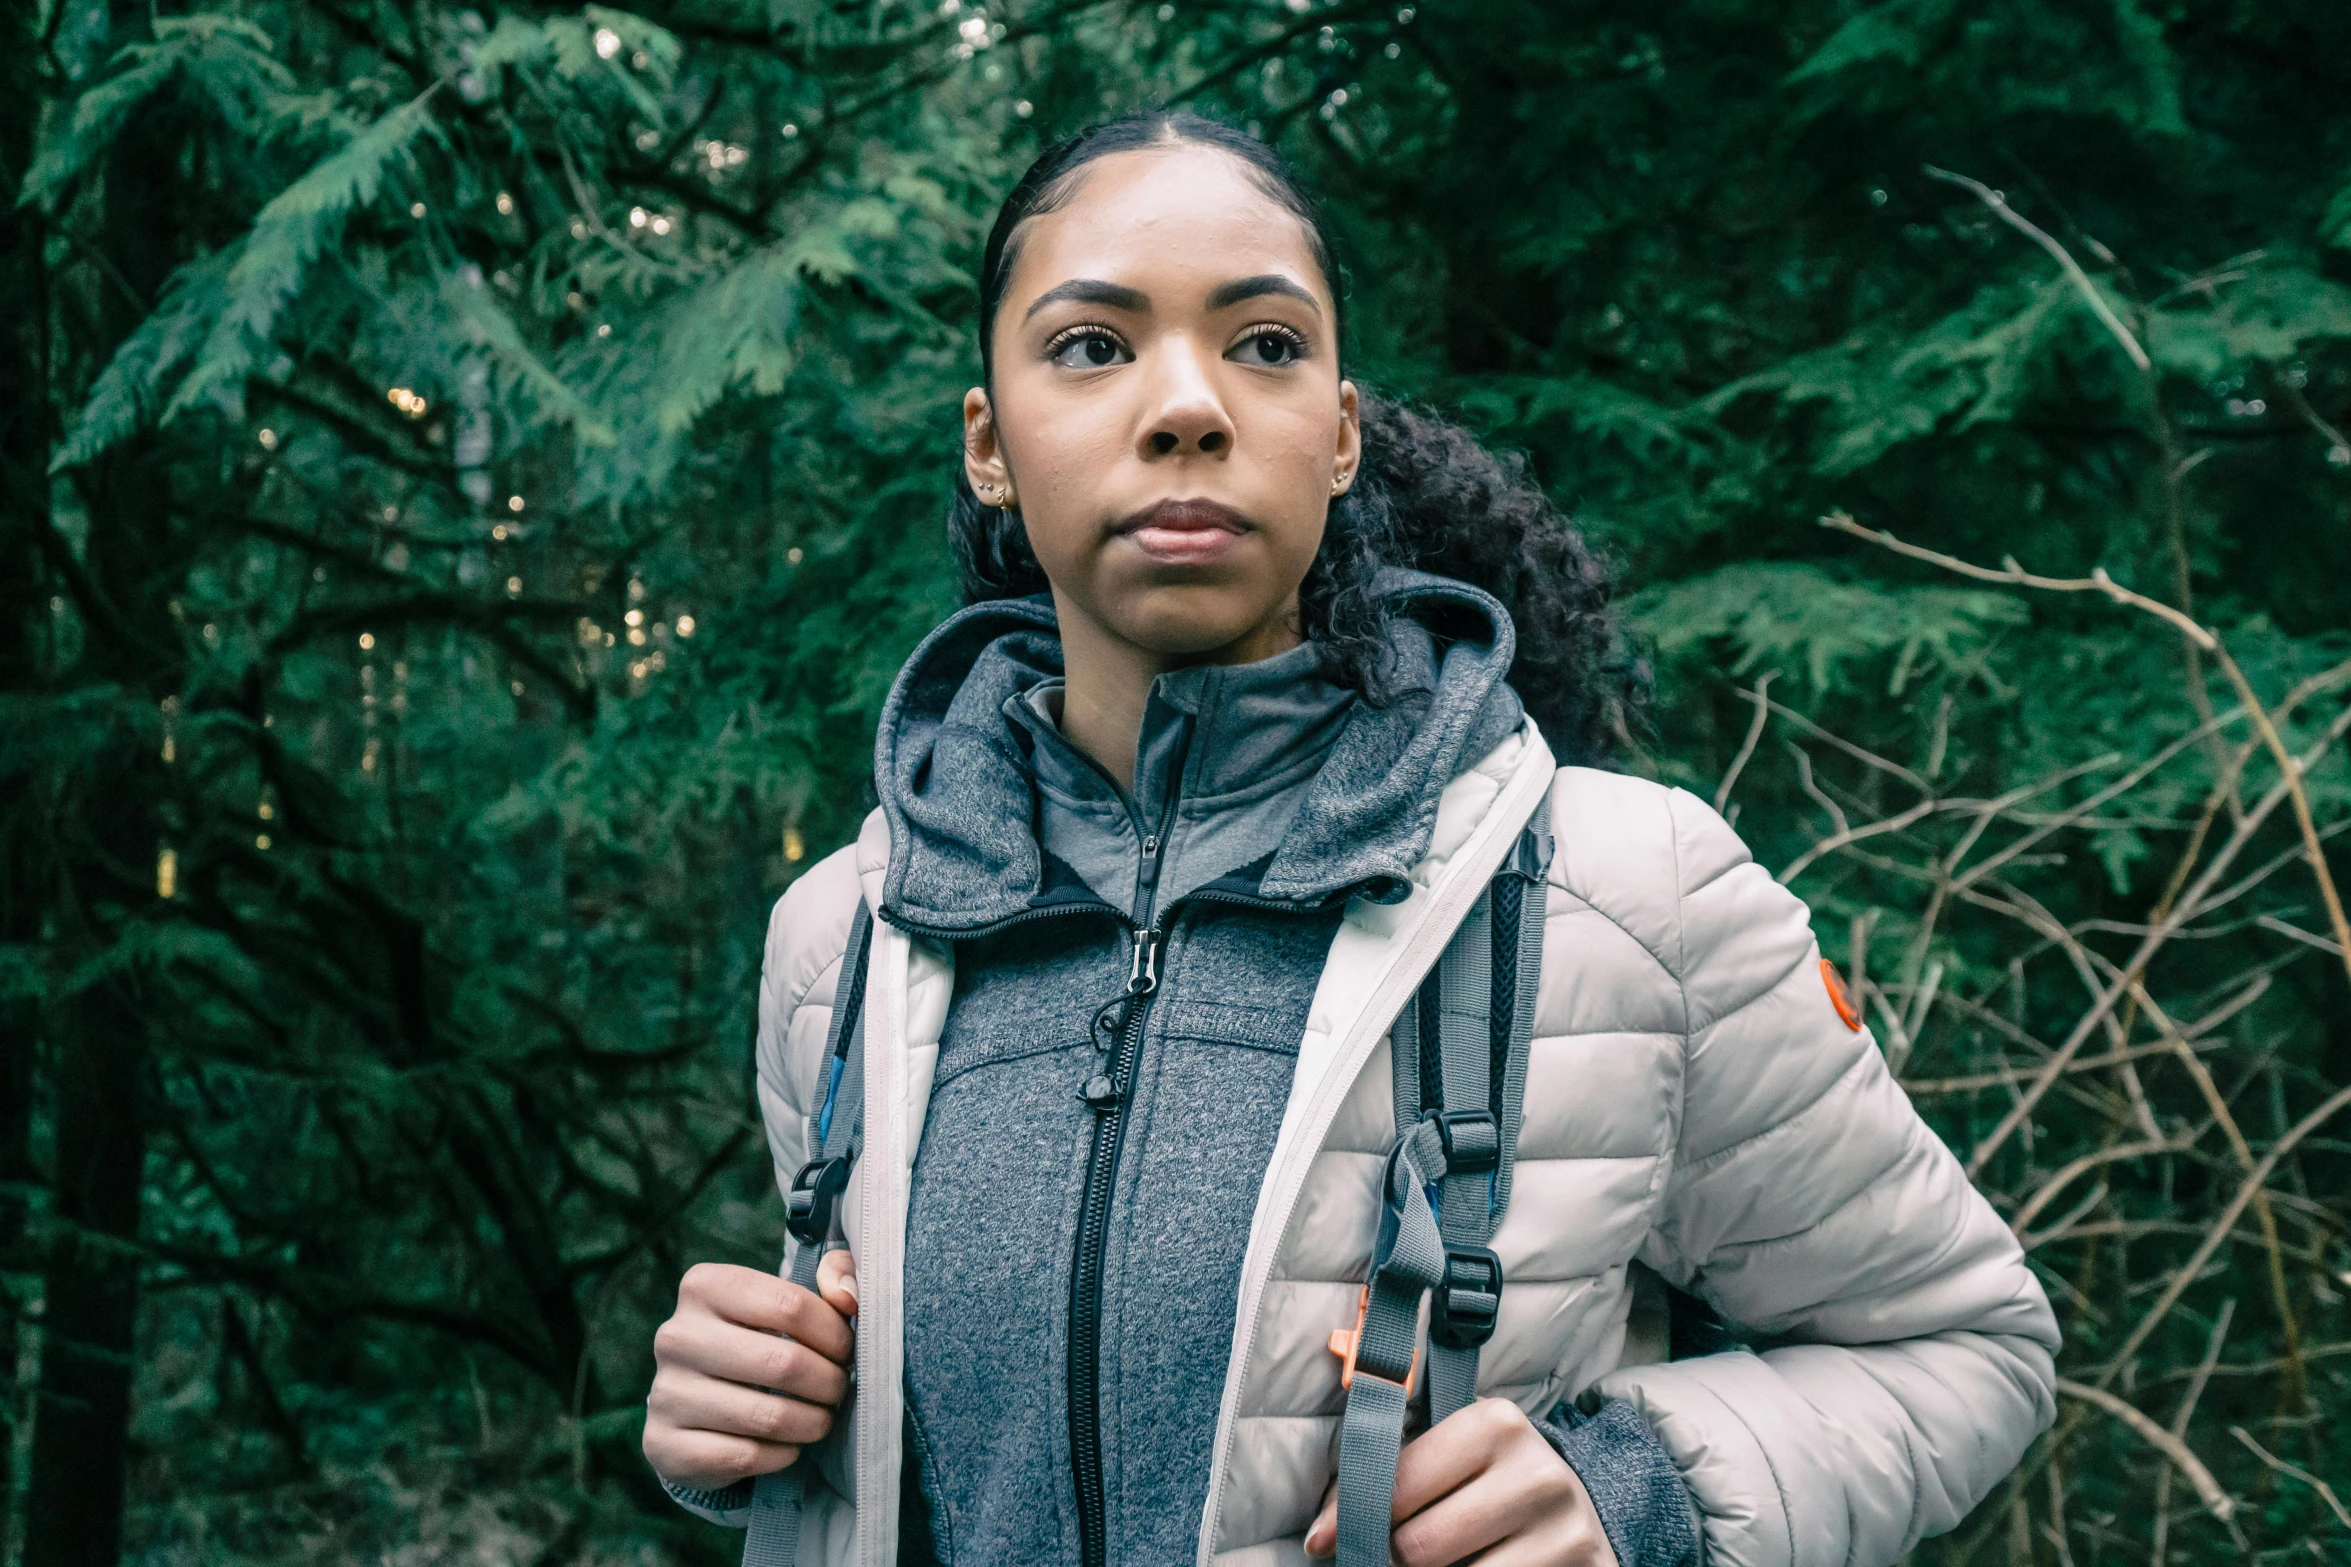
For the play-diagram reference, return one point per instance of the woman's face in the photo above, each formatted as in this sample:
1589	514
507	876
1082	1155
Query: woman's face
1167	406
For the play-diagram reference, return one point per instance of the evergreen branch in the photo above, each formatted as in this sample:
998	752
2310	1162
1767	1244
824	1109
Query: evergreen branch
287	236
429	607
1267	48
93	599
491	619
354	428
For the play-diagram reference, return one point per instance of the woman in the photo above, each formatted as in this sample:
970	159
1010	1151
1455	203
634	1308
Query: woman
1176	821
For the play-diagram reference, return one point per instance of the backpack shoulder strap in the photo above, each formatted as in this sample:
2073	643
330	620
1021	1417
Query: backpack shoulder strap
836	1135
1460	1050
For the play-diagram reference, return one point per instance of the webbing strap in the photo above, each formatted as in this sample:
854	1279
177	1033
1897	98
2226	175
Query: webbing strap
1462	1146
1519	903
836	1131
1408	1258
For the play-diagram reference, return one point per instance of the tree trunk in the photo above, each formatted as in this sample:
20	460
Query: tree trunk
110	814
24	637
82	1421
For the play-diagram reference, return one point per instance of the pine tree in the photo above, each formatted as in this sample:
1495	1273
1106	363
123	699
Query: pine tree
486	467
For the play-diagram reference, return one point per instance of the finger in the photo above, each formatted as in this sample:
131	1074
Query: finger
697	1403
1454	1451
709	1460
1322	1540
711	1347
836	1281
1568	1542
1460	1524
761	1300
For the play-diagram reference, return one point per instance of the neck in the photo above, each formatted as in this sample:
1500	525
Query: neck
1107	679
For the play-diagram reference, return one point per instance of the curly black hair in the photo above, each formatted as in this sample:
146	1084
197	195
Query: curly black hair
1429	495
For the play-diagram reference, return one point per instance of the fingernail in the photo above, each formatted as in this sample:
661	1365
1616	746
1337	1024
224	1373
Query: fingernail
849	1284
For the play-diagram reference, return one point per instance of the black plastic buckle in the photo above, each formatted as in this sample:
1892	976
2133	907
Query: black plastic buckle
1465	1302
1472	1139
808	1206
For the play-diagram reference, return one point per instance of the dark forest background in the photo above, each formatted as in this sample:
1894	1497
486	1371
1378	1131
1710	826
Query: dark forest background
469	471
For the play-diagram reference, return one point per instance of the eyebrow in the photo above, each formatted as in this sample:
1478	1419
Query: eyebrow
1226	294
1094	291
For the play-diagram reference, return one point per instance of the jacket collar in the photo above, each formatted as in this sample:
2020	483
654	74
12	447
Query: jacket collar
955	763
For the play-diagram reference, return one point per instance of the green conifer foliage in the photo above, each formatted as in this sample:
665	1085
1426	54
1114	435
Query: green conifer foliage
472	473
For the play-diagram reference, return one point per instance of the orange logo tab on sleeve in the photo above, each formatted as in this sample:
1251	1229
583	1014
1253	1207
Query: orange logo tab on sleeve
1839	996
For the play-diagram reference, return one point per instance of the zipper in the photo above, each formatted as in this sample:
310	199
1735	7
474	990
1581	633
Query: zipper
1106	1091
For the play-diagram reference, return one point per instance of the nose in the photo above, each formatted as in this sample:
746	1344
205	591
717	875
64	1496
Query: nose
1187	416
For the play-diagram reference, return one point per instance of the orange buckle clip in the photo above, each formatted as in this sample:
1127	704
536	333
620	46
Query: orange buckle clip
1345	1342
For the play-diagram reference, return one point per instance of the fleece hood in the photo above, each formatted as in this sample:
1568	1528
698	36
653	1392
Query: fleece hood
954	763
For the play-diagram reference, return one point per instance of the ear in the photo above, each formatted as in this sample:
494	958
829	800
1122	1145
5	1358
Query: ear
983	453
1349	456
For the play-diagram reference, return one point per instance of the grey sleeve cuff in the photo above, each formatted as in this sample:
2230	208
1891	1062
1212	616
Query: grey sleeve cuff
729	1505
1645	1509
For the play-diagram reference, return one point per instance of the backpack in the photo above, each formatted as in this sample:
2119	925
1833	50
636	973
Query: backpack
1460	1064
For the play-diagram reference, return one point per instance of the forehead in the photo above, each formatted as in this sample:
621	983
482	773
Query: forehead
1172	213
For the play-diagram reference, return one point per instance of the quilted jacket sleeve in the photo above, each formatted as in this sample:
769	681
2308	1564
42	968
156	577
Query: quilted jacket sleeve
1810	1205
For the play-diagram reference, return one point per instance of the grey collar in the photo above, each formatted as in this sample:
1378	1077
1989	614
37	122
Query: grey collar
957	767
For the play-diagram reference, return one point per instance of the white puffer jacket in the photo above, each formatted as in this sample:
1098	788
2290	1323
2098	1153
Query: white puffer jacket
1693	1101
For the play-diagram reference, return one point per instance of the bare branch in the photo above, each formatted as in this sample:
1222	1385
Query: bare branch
2216	1501
2064	258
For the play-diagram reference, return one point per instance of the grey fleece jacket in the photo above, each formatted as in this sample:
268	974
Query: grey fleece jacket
1082	1194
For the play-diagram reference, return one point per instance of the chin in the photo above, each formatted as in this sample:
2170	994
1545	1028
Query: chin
1186	620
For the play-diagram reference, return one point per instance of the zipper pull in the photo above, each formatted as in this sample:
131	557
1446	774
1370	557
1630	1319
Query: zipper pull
1147	876
1143	973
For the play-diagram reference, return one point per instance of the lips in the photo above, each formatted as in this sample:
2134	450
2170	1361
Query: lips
1185	533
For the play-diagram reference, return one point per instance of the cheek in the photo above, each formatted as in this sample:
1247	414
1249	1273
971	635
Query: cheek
1059	476
1299	451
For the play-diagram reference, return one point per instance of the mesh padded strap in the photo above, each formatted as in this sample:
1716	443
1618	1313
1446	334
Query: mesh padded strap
1457	1129
837	1131
1527	882
1465	1195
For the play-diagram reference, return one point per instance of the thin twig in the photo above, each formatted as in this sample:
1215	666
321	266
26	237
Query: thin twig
2326	1492
2186	1273
2064	258
2065	1176
1722	792
2186	1413
2216	1501
2099	582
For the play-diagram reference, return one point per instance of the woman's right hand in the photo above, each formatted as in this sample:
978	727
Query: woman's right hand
748	1371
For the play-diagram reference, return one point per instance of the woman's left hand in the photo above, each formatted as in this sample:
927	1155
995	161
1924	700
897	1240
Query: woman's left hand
1484	1480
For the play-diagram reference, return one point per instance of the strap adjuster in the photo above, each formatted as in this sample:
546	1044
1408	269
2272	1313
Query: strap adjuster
1472	1139
1530	856
808	1206
1347	1344
1463	1306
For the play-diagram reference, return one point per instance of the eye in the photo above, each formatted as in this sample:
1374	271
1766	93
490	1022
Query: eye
1086	348
1269	345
